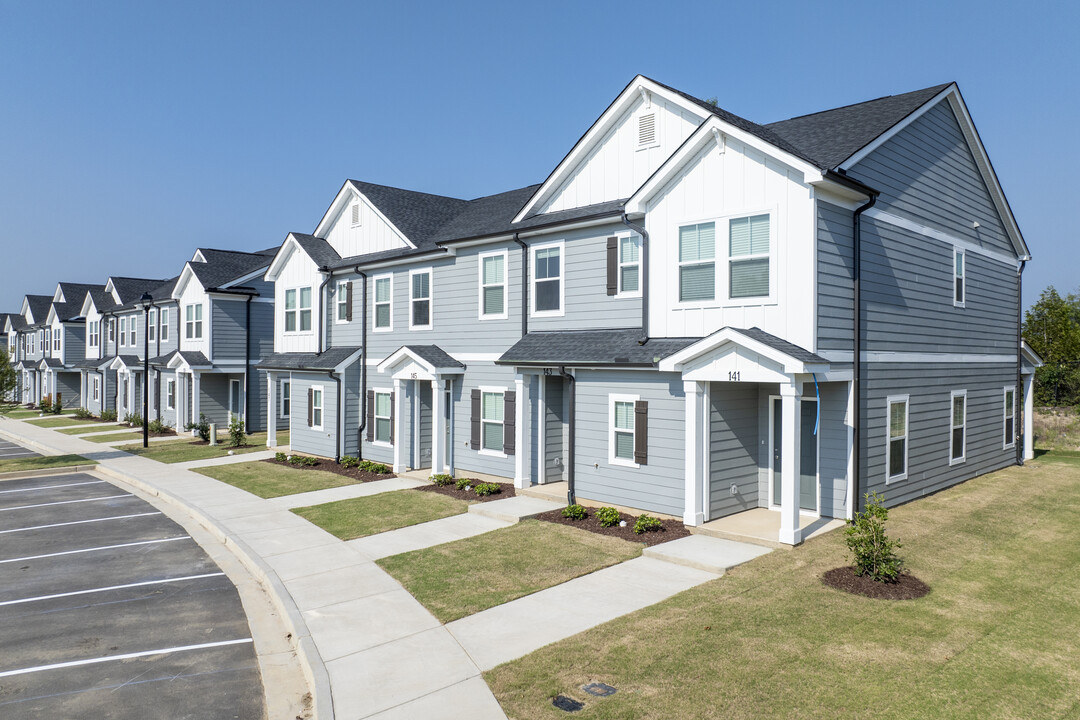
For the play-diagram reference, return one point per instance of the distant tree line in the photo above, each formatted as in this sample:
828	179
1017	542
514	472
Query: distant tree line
1052	329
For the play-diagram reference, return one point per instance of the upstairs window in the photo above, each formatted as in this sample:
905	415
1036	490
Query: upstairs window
697	262
193	320
151	326
56	339
748	263
493	285
547	295
123	332
958	440
133	328
420	300
164	335
112	330
93	333
1009	411
896	449
959	275
629	265
344	301
384	314
298	310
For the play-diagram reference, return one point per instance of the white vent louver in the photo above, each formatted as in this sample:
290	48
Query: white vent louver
646	129
355	214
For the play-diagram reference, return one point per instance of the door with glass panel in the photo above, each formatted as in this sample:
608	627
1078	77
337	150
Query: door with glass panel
807	477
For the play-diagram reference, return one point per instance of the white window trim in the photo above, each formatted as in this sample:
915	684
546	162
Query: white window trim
501	391
375	305
321	407
284	397
620	264
163	325
170	394
889	401
56	340
533	312
722	276
196	321
1004	417
505	285
123	332
151	325
959	279
612	459
96	388
111	327
284	313
430	298
963	451
375	414
341	297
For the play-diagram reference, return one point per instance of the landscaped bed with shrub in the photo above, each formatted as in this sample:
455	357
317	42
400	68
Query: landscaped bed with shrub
350	467
609	521
468	489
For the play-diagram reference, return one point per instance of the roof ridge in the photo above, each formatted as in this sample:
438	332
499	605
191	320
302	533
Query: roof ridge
864	102
414	192
505	192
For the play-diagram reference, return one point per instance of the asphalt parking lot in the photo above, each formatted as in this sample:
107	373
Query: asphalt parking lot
9	449
109	609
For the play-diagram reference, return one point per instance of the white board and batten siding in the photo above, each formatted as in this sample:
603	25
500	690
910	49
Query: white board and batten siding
299	271
615	167
714	186
193	294
373	234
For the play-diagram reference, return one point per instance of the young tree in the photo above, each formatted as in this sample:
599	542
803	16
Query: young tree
1052	329
8	378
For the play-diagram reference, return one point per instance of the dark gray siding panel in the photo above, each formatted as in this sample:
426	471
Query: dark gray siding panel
214	399
556	414
255	400
836	273
467	458
74	343
228	325
261	338
305	439
69	385
733	448
833	448
353	412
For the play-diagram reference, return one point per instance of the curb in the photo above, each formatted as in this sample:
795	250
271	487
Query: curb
58	470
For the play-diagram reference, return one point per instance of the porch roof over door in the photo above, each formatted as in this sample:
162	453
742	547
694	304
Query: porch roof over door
421	362
743	355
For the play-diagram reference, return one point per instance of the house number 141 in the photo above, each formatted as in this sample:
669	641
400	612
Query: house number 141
733	376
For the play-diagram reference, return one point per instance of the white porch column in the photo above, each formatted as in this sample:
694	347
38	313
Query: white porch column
1029	416
849	417
694	504
271	411
438	426
399	442
521	479
195	387
790	533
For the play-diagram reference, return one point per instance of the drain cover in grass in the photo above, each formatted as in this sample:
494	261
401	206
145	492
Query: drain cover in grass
598	689
568	704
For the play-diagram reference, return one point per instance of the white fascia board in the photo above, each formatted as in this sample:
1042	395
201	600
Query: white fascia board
341	366
346	195
186	276
50	319
177	362
703	139
424	258
403	353
281	259
244	278
87	303
198	257
675	363
451	245
58	295
898	127
598	130
1030	355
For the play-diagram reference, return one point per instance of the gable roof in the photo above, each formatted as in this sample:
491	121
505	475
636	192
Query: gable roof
320	251
131	289
75	293
578	348
224	266
417	215
39	307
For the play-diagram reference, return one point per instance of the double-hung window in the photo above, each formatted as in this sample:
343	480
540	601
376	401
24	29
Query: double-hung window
959	275
697	262
298	309
56	340
164	330
112	329
286	398
629	265
621	439
493	286
123	331
343	313
384	303
133	328
748	257
151	326
193	320
170	394
93	333
491	421
547	295
896	449
317	407
97	388
420	299
383	405
958	426
1009	422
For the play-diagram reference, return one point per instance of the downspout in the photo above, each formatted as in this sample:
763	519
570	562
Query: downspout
524	285
337	411
324	322
856	360
1021	437
157	369
571	496
644	276
247	364
363	364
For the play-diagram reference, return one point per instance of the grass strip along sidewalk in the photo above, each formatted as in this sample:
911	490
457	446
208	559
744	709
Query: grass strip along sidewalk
185	449
41	462
268	480
359	517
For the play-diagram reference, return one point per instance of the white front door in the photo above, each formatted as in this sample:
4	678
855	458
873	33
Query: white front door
807	469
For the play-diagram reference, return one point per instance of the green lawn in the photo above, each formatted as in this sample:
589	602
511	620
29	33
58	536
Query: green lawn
995	638
56	421
358	517
183	450
45	461
466	576
90	429
23	414
268	480
113	437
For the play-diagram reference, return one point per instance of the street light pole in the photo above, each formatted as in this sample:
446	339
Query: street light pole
146	301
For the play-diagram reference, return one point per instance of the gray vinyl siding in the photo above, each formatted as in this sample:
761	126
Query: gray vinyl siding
733	448
353	410
833	449
556	427
74	343
229	328
160	347
927	172
835	275
930	387
306	439
261	337
467	458
167	414
255	401
657	486
214	399
69	385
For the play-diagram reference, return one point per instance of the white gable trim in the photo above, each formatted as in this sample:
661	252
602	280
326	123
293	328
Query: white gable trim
281	259
58	296
599	129
198	257
978	151
346	195
186	276
244	278
1030	355
727	336
415	362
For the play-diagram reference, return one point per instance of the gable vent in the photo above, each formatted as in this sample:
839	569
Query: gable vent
355	214
646	129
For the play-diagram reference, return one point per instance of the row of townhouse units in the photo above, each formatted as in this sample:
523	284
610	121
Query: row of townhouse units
694	315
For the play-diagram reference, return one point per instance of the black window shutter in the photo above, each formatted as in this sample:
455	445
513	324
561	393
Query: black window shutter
348	301
641	432
310	407
612	265
370	415
509	422
392	409
474	439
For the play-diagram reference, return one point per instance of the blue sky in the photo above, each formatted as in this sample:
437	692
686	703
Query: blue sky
133	132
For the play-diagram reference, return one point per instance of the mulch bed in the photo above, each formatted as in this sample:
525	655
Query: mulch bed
672	529
906	587
330	466
470	495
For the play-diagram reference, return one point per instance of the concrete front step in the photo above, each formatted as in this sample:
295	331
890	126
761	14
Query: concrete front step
514	509
705	553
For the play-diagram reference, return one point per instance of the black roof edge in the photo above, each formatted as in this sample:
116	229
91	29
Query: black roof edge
557	223
540	363
848	182
419	255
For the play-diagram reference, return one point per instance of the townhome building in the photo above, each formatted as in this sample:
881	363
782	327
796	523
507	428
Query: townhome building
28	331
694	315
65	341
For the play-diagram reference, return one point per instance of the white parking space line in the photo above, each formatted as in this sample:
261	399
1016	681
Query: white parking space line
66	502
127	656
16	453
79	522
95	549
112	587
51	487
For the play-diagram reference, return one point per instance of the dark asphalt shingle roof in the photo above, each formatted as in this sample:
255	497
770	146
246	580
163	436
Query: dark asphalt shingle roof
130	290
591	347
39	307
192	358
68	310
790	349
50	362
307	361
432	354
320	251
224	266
418	215
75	293
18	322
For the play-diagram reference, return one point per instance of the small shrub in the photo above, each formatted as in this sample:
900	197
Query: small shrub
348	461
45	405
463	483
158	427
202	428
647	523
281	457
83	414
607	516
374	467
133	419
483	489
442	480
57	407
303	460
875	554
237	436
108	416
574	512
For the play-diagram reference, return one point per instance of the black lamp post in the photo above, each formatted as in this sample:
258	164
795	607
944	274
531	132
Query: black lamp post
146	301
